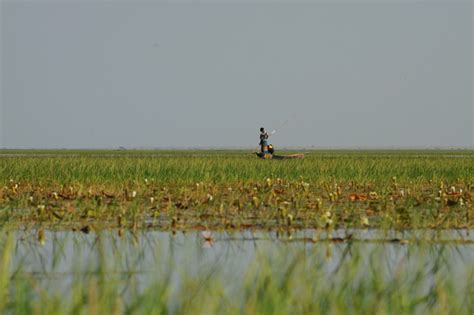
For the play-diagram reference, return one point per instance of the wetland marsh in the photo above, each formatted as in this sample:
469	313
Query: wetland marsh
360	232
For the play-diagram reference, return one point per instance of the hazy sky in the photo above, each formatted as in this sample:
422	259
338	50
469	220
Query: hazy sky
97	74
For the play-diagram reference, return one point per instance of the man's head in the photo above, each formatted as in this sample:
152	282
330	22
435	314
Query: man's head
262	130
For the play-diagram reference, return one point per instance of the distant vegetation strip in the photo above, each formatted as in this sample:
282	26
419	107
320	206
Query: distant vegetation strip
204	152
221	167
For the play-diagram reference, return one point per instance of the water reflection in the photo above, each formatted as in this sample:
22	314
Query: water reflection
147	251
134	262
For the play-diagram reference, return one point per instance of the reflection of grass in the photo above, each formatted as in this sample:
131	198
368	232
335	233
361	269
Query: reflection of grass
320	279
233	190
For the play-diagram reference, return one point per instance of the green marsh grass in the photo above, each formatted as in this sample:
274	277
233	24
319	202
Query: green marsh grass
202	189
222	167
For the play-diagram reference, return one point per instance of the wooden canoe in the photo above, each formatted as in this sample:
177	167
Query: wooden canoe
279	157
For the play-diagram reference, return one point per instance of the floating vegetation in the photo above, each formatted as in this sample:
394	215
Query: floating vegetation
269	203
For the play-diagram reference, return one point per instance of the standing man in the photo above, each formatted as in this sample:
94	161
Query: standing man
263	140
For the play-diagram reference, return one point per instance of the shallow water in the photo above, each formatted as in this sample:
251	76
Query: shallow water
415	262
140	257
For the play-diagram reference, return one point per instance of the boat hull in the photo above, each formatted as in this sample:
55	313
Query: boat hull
279	157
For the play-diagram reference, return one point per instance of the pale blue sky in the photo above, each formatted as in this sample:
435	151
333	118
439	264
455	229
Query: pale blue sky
96	74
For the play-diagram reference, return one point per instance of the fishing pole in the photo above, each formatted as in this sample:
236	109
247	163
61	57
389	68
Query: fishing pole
281	126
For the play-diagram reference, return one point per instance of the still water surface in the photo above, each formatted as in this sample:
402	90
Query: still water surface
145	256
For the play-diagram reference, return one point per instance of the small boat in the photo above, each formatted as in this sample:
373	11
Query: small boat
270	156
